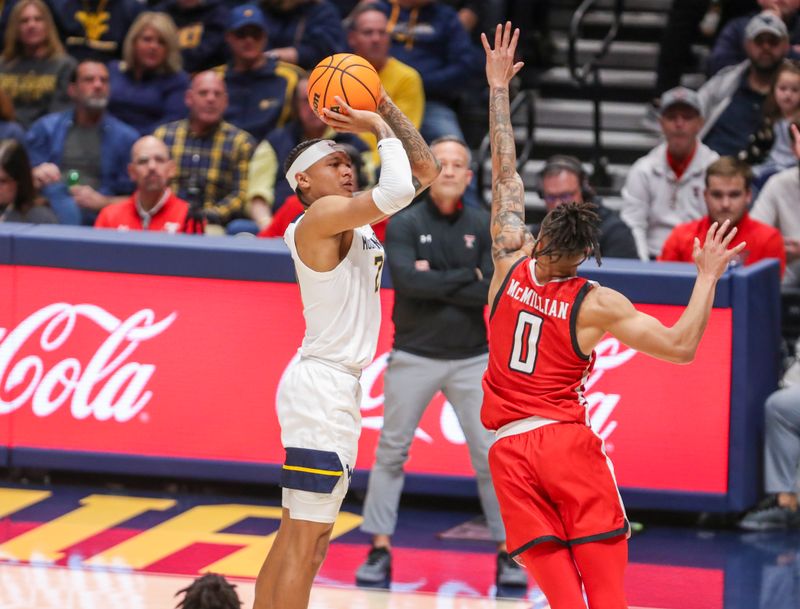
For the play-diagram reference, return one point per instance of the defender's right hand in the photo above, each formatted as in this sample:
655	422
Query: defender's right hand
714	256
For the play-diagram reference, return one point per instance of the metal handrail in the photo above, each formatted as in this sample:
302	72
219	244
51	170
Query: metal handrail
582	73
588	76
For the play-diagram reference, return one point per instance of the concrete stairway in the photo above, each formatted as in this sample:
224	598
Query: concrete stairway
564	112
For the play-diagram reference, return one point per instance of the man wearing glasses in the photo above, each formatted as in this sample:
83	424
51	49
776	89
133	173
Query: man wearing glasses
565	181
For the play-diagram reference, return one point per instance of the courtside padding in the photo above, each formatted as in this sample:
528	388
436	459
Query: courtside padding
751	292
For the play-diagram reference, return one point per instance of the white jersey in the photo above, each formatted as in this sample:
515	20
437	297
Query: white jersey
342	307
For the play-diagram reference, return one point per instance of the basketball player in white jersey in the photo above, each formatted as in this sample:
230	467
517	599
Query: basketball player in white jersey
338	261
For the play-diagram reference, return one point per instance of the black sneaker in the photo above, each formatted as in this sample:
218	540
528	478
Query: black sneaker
509	573
768	516
377	569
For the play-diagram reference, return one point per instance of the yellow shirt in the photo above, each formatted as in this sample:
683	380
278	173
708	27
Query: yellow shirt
404	85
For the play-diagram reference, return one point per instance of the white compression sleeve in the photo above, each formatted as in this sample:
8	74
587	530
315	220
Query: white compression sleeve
395	190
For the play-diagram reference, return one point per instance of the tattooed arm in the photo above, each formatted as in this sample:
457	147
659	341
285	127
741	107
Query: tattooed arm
510	237
424	166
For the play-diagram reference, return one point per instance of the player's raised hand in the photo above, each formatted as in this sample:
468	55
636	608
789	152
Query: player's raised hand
500	65
713	257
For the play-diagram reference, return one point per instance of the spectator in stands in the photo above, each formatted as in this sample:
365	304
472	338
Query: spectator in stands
79	156
441	285
686	22
367	37
269	182
9	128
564	180
260	88
303	32
212	156
210	591
201	31
779	510
17	193
727	197
777	206
149	84
34	69
729	48
732	101
770	148
95	29
429	36
153	206
665	187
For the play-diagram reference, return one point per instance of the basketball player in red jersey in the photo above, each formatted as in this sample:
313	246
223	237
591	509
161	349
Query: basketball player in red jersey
558	497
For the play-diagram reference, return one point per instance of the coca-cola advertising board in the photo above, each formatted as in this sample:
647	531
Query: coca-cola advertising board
181	367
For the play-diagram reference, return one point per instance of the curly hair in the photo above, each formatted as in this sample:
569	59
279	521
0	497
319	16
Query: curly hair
571	229
211	591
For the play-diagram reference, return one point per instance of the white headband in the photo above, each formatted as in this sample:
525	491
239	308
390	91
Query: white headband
308	157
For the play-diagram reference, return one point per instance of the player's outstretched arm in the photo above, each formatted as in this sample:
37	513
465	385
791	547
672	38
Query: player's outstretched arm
510	237
335	214
424	166
607	310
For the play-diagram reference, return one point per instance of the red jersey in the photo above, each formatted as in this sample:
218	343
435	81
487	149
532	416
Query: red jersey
535	365
763	241
124	215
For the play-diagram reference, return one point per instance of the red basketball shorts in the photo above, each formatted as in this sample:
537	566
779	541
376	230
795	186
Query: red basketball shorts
556	484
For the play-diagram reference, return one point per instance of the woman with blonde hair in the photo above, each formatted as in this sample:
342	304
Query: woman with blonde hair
34	69
148	85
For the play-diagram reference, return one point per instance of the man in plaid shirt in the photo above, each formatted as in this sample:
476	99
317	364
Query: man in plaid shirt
212	156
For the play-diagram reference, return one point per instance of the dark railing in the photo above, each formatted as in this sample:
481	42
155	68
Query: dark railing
587	76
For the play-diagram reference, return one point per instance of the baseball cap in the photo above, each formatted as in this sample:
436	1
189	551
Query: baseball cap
766	23
680	95
246	14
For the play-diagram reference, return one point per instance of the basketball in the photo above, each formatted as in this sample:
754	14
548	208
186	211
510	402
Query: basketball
350	77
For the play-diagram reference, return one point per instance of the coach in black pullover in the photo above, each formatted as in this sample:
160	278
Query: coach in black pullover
439	255
440	258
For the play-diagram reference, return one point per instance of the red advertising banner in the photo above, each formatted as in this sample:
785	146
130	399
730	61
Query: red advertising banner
185	367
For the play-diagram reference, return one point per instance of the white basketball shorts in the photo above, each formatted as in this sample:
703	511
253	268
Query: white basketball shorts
319	410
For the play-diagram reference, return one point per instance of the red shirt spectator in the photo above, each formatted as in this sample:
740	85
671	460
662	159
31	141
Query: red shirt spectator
292	208
168	215
763	241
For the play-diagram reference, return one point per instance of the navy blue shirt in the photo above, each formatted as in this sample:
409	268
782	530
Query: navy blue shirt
260	100
95	29
314	29
742	117
432	40
201	33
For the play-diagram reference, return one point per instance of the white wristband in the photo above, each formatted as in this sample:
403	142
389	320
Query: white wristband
395	189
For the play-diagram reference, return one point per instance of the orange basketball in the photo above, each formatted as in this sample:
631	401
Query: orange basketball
350	77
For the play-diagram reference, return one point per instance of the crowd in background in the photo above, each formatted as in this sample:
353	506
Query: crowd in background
223	85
